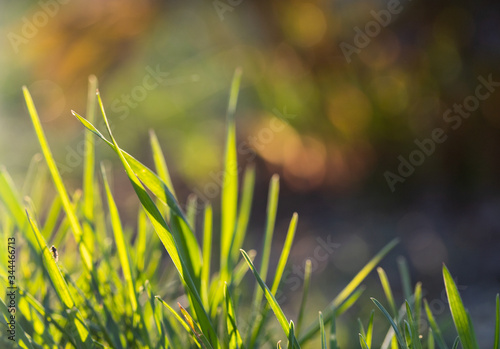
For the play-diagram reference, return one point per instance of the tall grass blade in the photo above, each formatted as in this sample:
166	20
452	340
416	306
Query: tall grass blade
322	333
229	197
387	290
235	341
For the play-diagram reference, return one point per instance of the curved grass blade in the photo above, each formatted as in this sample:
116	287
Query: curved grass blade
160	163
399	337
164	233
460	316
278	312
348	290
362	342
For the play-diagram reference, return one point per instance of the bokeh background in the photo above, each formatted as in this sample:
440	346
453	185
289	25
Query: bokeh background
329	109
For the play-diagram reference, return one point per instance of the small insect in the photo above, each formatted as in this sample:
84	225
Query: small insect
55	254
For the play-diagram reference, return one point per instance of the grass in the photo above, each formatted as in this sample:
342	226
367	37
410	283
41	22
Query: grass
111	287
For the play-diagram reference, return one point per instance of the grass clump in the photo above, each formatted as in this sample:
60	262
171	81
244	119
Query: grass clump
113	291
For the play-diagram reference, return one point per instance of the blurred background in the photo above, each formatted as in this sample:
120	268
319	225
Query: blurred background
336	97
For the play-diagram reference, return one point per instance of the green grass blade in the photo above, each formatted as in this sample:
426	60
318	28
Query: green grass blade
399	336
140	245
278	312
121	244
349	289
369	330
83	340
387	290
305	294
456	342
362	342
460	318
89	171
235	340
229	196
435	328
418	304
244	212
285	253
160	163
322	333
430	339
56	177
497	324
207	253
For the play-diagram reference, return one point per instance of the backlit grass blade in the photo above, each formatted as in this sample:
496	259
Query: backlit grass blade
166	237
436	331
460	317
362	342
399	336
83	339
188	245
387	290
56	177
207	253
140	243
229	196
244	212
417	295
305	293
174	313
89	170
430	339
148	177
369	330
349	289
291	336
278	312
322	333
497	324
235	341
121	244
285	253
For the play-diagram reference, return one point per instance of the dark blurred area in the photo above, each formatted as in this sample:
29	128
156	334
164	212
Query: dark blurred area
382	118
